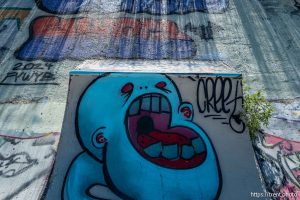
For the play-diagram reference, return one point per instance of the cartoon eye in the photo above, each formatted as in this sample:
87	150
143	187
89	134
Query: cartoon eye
161	85
128	88
100	139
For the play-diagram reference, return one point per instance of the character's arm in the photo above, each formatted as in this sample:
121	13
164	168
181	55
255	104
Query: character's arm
84	172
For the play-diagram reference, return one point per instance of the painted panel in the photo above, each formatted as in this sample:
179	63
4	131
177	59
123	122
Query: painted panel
279	161
140	136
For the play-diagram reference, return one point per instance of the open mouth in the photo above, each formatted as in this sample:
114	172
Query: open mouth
148	127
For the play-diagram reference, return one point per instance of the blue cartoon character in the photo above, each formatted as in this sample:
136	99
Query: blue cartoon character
140	142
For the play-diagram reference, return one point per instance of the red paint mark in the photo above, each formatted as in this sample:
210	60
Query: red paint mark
101	139
55	26
161	84
146	140
128	27
122	27
186	111
169	138
127	88
165	138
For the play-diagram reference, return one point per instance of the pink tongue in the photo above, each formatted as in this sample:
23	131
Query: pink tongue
155	136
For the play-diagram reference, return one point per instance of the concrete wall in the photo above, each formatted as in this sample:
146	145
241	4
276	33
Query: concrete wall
278	159
36	56
111	161
257	38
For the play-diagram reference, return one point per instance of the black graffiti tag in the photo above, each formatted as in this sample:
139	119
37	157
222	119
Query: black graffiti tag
219	96
205	32
15	164
30	74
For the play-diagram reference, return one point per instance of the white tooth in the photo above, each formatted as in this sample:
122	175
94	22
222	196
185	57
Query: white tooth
170	151
155	103
187	152
198	145
146	101
134	109
164	105
153	150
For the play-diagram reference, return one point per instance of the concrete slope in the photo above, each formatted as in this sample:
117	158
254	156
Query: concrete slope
41	41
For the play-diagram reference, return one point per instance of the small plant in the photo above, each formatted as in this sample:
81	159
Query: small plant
257	110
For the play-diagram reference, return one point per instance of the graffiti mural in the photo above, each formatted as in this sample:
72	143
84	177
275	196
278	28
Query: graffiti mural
156	149
85	38
132	6
30	74
61	6
79	6
279	161
205	32
25	164
222	100
10	22
173	7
